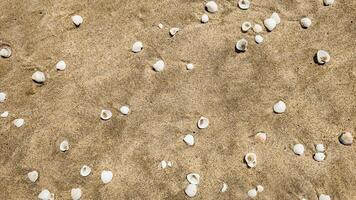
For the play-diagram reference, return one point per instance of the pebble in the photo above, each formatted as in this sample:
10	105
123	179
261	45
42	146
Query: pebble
246	26
38	77
324	197
105	114
163	164
64	146
191	190
257	28
173	31
190	66
189	139
320	148
259	188
160	25
322	57
261	136
319	156
252	193
346	138
241	45
305	22
244	4
328	2
85	171
204	18
125	110
19	122
224	187
33	176
46	195
203	122
258	39
193	178
137	47
76	193
211	6
170	164
276	17
298	149
251	160
5	51
270	24
279	107
159	66
61	65
77	20
4	114
2	97
106	176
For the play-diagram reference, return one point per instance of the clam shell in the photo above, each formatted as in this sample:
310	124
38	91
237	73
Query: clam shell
346	138
203	122
211	6
160	26
322	57
298	149
261	136
76	193
319	156
189	140
32	176
173	31
125	110
38	77
246	26
251	160
258	39
64	146
279	107
159	66
244	4
4	114
45	195
85	170
163	164
324	197
193	178
137	47
190	66
241	45
2	97
270	24
5	51
320	148
259	188
328	2
61	65
252	193
276	18
105	114
191	190
305	22
224	188
204	18
19	122
106	176
77	20
257	28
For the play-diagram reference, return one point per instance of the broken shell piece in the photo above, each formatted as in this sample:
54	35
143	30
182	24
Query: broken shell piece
241	45
77	20
204	18
246	26
190	66
211	6
279	107
322	57
203	122
105	114
257	28
159	66
163	164
189	139
125	110
298	149
33	176
320	148
324	197
5	51
61	65
4	114
305	22
173	31
137	47
259	188
106	176
319	156
276	17
38	77
224	188
76	193
193	178
244	4
258	39
261	136
191	190
346	138
270	24
46	195
252	193
85	170
19	122
2	97
328	2
64	146
251	160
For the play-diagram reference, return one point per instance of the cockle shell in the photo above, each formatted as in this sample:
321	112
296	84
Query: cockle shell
244	4
32	176
105	114
190	66
85	170
163	164
106	176
305	22
191	190
38	77
279	107
319	148
319	156
46	195
193	178
64	146
259	188
246	26
204	18
211	6
5	51
258	39
4	114
137	47
125	110
252	193
298	149
346	138
19	122
257	28
322	57
203	122
76	193
241	45
251	160
261	136
328	2
77	20
159	66
61	65
189	140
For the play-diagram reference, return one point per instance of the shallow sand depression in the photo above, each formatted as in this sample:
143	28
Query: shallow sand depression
235	91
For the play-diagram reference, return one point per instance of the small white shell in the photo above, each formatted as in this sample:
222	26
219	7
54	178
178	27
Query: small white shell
224	187
38	77
252	193
64	146
261	136
2	97
322	57
106	176
276	17
270	24
193	178
163	164
19	122
203	122
246	26
190	66
257	28
279	107
61	65
5	51
85	170
320	148
191	190
328	2
259	188
319	156
159	66
258	39
298	149
189	139
77	20
125	110
173	31
346	138
244	4
211	6
305	22
33	176
324	197
105	114
45	195
251	160
204	18
160	25
76	193
137	47
4	114
241	45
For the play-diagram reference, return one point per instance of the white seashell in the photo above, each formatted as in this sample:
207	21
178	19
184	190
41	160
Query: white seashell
276	17
259	188
258	39
319	156
2	97
77	20
106	176
173	31
204	18
105	114
261	136
320	148
224	188
251	160
322	57
324	197
346	138
328	2
279	107
298	149
191	190
257	28
76	193
45	195
193	178
125	110
163	164
4	114
270	24
203	122
246	26
305	22
137	47
85	170
61	65
33	176
5	51
160	25
64	146
38	77
19	122
241	45
190	66
159	66
211	6
252	193
169	163
244	4
189	139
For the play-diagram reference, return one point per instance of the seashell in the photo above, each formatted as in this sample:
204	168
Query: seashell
159	66
137	47
246	26
19	122
261	136
38	77
298	149
244	4
252	193
346	138
322	57
279	107
160	25
320	148
193	178
64	146
33	176
270	24
5	51
190	66
76	193
211	6
258	39
276	17
191	190
85	170
224	188
305	22
77	20
105	114
203	122
173	31
125	110
241	45
189	139
163	164
324	197
45	195
319	156
61	65
257	28
259	188
2	97
251	160
4	114
106	176
204	18
328	2
169	163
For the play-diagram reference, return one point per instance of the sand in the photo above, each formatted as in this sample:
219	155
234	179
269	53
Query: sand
235	91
